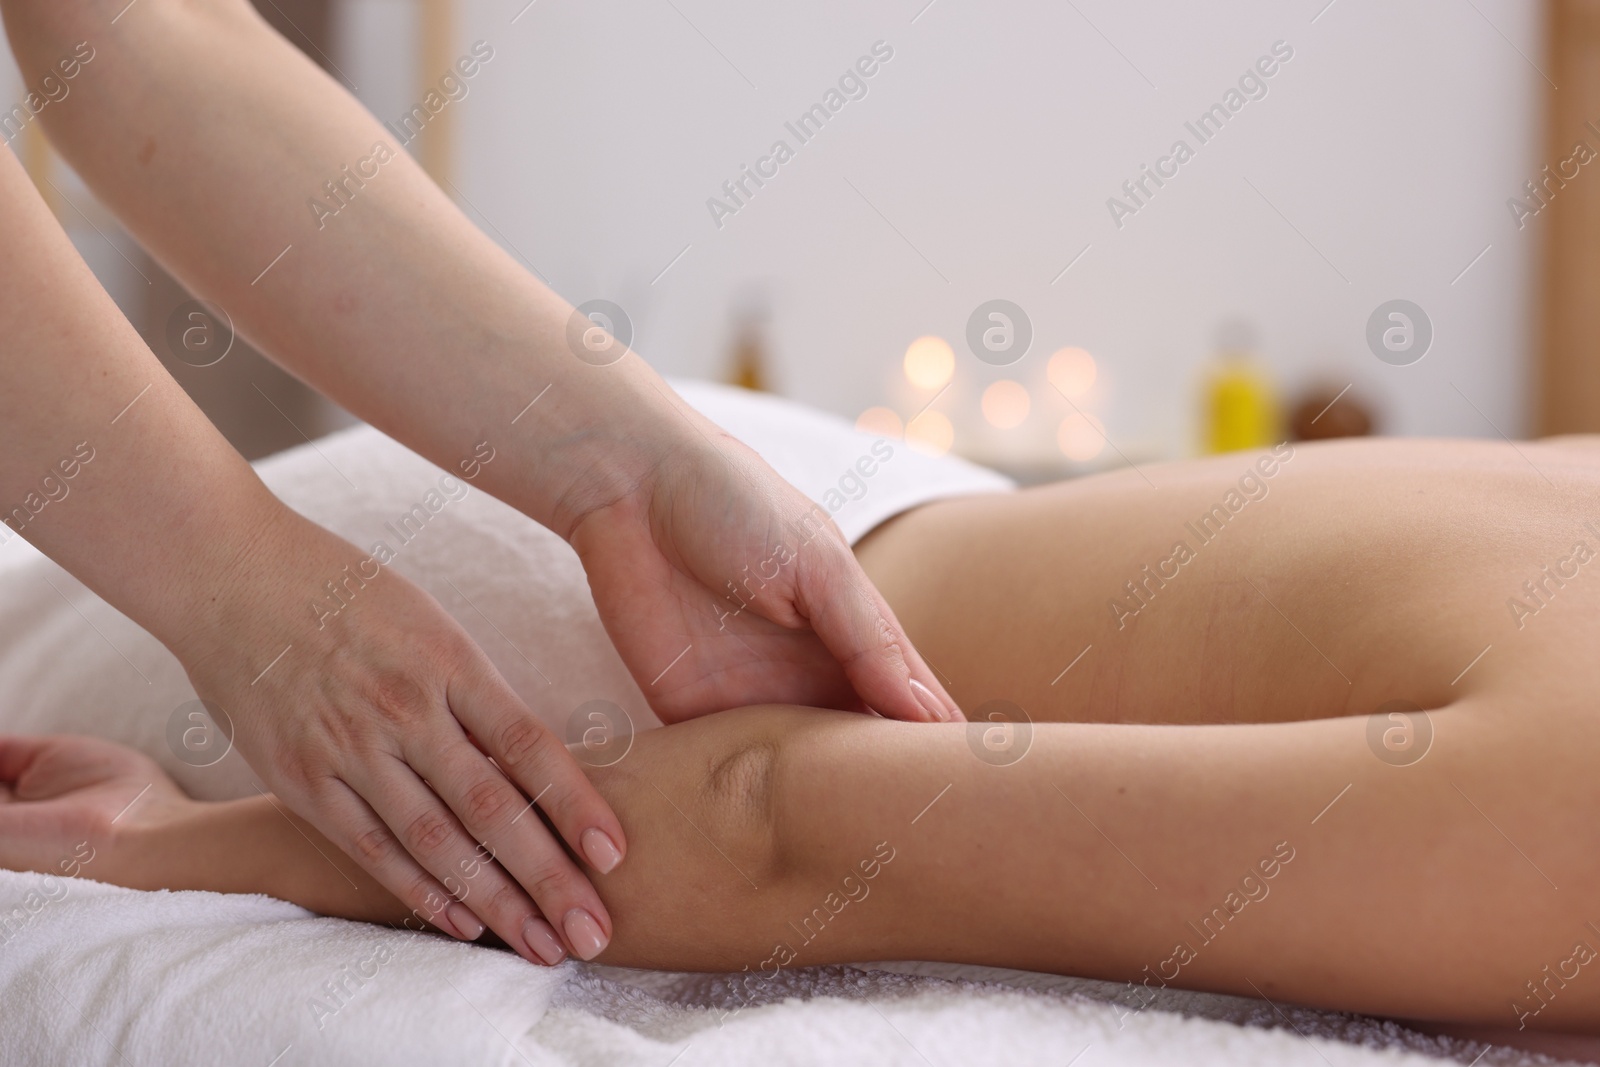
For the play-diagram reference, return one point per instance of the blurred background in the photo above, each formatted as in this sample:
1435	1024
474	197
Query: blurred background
968	246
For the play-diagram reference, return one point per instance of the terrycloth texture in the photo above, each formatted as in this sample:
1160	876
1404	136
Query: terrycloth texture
92	974
918	1015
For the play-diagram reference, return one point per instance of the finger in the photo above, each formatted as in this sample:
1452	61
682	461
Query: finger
542	767
18	753
857	626
482	893
346	819
497	814
39	768
21	832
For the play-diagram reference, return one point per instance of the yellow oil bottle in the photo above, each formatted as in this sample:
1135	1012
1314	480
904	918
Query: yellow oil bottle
748	368
1241	409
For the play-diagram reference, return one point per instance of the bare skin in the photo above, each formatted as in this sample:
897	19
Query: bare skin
1202	802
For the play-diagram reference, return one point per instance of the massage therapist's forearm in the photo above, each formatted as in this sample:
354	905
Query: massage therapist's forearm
105	464
396	306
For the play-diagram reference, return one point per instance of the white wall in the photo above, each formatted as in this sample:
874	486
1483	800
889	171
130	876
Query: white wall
992	141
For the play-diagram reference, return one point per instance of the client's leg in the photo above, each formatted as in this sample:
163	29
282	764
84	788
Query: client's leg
1278	860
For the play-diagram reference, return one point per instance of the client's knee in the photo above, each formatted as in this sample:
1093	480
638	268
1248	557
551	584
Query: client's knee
733	791
712	782
739	787
698	802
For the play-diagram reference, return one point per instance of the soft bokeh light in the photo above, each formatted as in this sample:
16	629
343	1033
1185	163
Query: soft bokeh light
1072	371
1006	404
880	422
1081	437
930	362
930	433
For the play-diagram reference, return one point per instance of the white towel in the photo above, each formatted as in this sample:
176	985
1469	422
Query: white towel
970	1017
93	974
96	974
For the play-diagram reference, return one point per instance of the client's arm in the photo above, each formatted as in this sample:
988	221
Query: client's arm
1279	860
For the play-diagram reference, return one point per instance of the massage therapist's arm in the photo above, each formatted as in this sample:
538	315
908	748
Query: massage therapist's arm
215	141
108	467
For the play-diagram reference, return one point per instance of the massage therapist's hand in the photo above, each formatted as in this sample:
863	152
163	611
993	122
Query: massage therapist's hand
362	727
723	585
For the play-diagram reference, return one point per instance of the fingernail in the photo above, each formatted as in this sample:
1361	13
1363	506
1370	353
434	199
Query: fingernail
602	852
930	703
463	920
542	941
584	934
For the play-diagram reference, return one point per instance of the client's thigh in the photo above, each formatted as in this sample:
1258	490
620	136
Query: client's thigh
1209	591
1052	601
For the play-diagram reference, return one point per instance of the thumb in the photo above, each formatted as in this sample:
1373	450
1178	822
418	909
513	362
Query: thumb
17	753
857	626
49	766
18	828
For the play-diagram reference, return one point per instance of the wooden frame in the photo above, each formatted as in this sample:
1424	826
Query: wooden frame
436	38
1568	372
